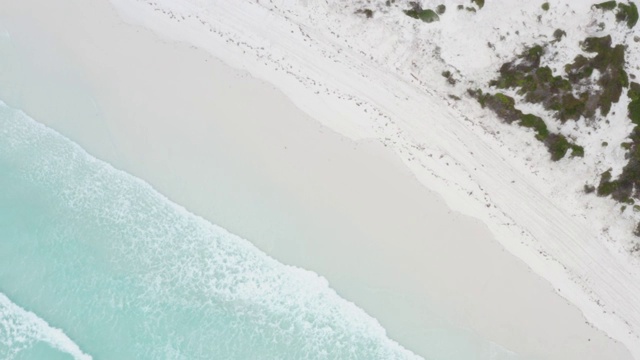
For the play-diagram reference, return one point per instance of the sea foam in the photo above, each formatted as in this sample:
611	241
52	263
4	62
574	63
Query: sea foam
22	331
129	274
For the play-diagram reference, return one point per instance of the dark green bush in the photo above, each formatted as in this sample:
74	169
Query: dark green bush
534	54
536	123
628	13
426	15
577	150
634	111
607	188
634	104
558	34
557	145
366	12
607	5
480	3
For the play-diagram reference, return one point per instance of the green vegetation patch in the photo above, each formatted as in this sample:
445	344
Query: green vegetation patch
449	76
627	185
634	104
556	93
545	6
624	12
607	5
366	12
558	146
609	61
504	107
417	12
501	104
480	3
536	123
594	81
577	151
440	9
559	34
627	13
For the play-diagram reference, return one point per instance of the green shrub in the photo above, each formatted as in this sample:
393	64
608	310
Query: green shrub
634	111
577	151
544	74
634	104
536	123
634	91
620	189
367	12
557	145
501	104
607	188
480	3
558	34
507	101
534	53
449	76
426	15
607	5
440	9
597	44
545	6
628	13
570	108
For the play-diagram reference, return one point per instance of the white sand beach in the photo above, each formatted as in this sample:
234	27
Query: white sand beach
237	151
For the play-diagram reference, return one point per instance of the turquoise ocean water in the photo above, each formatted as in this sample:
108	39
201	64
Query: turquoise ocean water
96	264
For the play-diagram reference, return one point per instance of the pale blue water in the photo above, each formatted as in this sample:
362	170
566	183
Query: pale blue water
123	273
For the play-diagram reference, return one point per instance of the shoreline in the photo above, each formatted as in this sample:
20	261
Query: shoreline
475	162
299	196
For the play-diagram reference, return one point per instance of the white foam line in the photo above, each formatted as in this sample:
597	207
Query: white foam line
24	326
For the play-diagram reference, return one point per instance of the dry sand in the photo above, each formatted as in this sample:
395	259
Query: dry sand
236	151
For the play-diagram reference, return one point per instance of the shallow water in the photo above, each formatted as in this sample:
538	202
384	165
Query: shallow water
127	274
